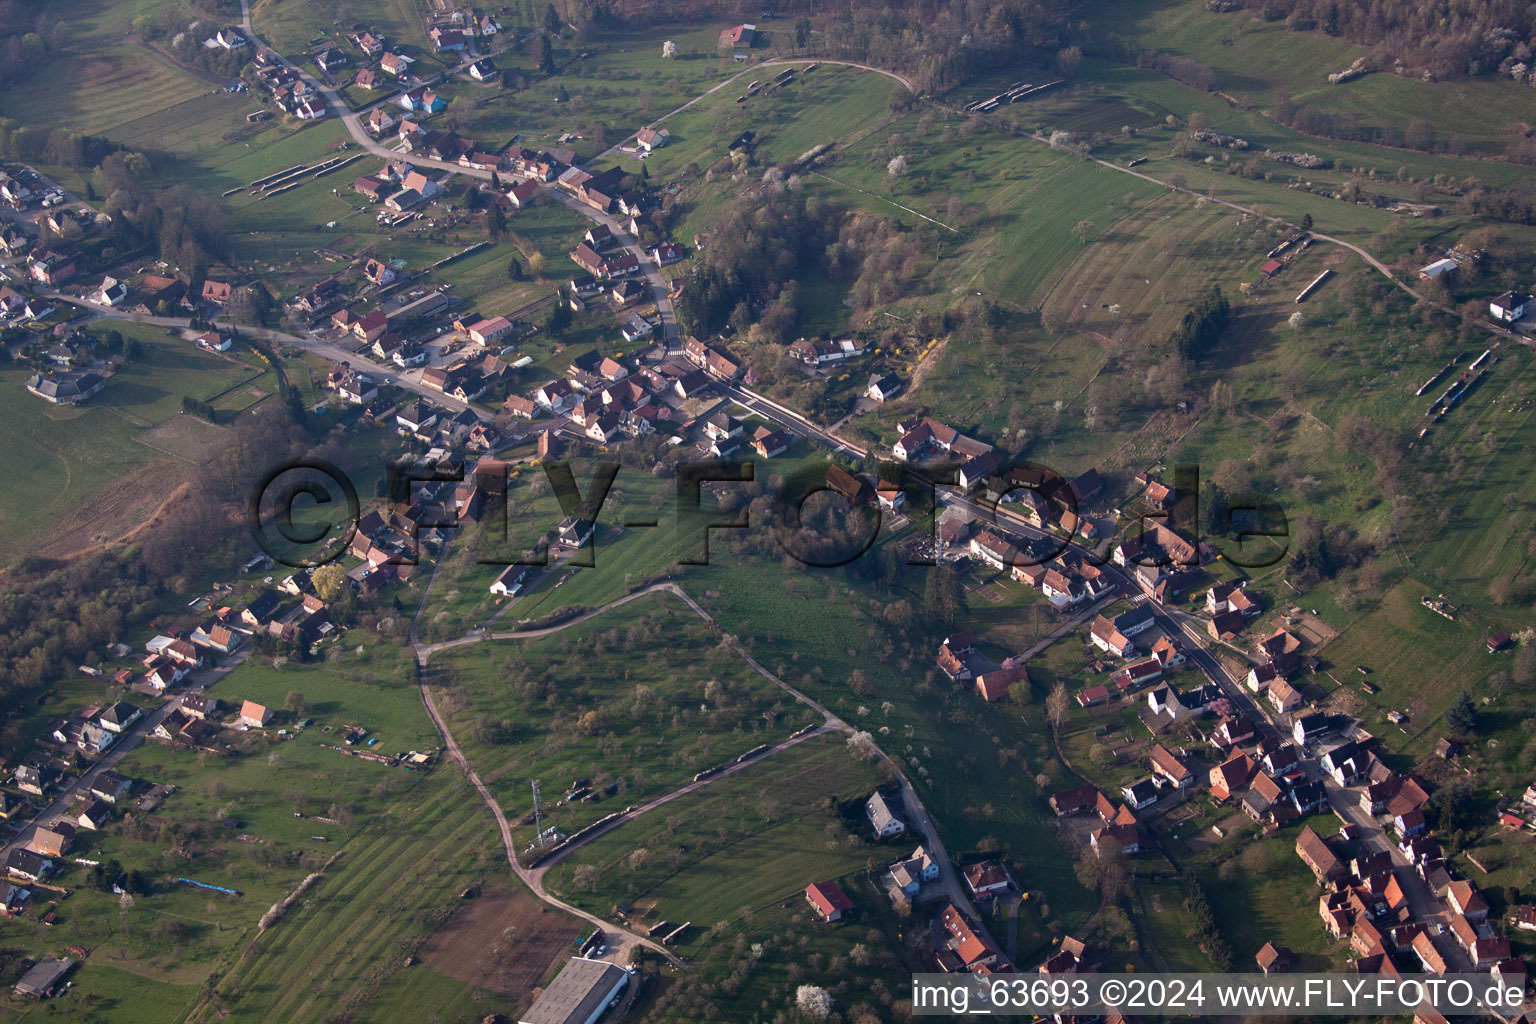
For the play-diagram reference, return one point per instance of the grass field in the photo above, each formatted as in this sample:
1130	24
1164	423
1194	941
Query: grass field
291	25
87	466
816	627
747	841
1419	659
232	822
643	726
1261	62
623	557
621	84
1266	896
104	87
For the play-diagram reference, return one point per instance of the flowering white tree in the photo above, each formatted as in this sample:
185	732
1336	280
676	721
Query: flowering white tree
814	1001
863	745
897	166
669	49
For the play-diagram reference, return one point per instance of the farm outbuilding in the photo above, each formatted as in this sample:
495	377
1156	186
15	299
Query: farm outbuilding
579	994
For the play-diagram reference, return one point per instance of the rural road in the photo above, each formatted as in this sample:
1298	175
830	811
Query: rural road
328	350
1199	654
1197	642
661	293
1375	263
916	813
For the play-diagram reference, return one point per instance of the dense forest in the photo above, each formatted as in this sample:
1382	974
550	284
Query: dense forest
757	249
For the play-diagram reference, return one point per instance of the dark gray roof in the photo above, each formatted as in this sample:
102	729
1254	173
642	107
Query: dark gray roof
1133	618
43	976
27	861
579	991
264	604
120	713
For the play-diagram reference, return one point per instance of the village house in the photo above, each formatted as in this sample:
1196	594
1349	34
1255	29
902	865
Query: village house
955	654
828	900
111	787
1318	856
120	717
1283	697
1272	958
65	388
1231	776
379	272
969	949
649	139
986	878
769	443
1110	640
910	874
28	865
664	254
513	579
1233	731
738	37
1168	766
1468	902
998	684
51	268
1141	794
448	40
925	436
255	715
817	352
486	332
1509	307
53	840
881	818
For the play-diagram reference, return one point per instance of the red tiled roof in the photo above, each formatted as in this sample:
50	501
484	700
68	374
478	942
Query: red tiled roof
828	897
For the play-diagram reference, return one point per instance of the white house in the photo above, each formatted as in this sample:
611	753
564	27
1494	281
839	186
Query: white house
512	580
884	822
112	292
1509	307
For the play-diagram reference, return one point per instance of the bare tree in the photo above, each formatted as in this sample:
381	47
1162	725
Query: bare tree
1057	704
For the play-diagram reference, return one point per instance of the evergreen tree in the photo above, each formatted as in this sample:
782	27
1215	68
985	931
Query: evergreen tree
1461	716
